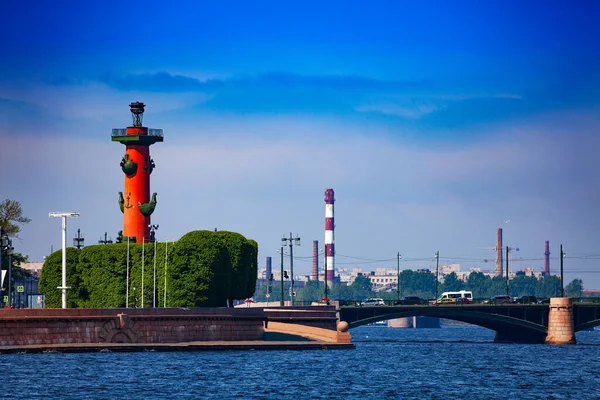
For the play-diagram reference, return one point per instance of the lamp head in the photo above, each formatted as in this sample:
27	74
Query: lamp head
63	214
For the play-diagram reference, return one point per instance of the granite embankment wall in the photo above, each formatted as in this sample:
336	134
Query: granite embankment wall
131	325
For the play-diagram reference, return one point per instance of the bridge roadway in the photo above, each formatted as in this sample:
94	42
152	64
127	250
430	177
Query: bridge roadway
524	323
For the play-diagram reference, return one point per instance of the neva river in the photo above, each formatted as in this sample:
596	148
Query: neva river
448	363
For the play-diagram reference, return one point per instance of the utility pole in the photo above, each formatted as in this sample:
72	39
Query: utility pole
282	292
1	250
143	245
9	252
127	277
291	241
153	228
166	258
78	241
507	270
398	289
562	284
437	267
326	287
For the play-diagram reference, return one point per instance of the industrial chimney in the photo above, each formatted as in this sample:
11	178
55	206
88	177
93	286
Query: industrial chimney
314	275
329	236
499	252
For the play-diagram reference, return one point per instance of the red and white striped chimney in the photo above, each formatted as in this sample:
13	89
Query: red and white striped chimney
329	236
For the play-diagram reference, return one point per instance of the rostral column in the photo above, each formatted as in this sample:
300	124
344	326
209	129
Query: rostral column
135	202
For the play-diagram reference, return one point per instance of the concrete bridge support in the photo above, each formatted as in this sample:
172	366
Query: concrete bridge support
414	322
560	321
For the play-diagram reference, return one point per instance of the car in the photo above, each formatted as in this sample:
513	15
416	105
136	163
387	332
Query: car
526	300
445	300
500	299
410	301
373	302
543	301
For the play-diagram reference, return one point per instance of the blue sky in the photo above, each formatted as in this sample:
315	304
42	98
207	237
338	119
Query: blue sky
433	121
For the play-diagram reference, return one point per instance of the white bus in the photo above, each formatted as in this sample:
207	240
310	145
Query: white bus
463	296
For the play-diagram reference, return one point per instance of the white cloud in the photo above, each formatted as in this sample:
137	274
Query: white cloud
391	195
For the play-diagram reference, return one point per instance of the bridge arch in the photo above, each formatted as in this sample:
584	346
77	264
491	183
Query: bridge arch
507	328
587	325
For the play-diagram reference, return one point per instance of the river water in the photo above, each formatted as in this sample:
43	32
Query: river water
458	362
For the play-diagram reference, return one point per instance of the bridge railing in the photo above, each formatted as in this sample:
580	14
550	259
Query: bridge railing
593	300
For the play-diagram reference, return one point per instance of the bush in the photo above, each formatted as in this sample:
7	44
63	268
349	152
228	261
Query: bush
203	268
51	279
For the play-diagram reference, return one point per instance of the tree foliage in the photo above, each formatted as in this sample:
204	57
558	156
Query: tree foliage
51	279
422	284
574	288
197	271
11	215
243	255
201	271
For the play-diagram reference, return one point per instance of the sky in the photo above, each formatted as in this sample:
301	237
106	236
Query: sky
435	123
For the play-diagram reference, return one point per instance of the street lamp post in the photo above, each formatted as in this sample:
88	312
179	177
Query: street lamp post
507	271
437	268
282	292
6	244
153	229
165	297
127	279
326	284
1	271
64	216
291	240
143	246
78	241
3	245
398	289
562	282
106	240
507	255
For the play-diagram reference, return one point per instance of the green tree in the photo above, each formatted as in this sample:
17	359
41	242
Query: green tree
240	254
452	283
11	215
51	279
11	219
574	288
251	250
479	284
103	274
200	272
522	285
547	286
312	291
413	283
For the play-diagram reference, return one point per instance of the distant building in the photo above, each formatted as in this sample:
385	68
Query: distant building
34	268
590	292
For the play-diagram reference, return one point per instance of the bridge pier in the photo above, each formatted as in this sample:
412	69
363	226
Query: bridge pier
560	321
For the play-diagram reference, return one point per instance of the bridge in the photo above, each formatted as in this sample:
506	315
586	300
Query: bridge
523	323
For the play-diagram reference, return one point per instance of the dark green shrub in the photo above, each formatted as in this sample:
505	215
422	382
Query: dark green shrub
51	279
